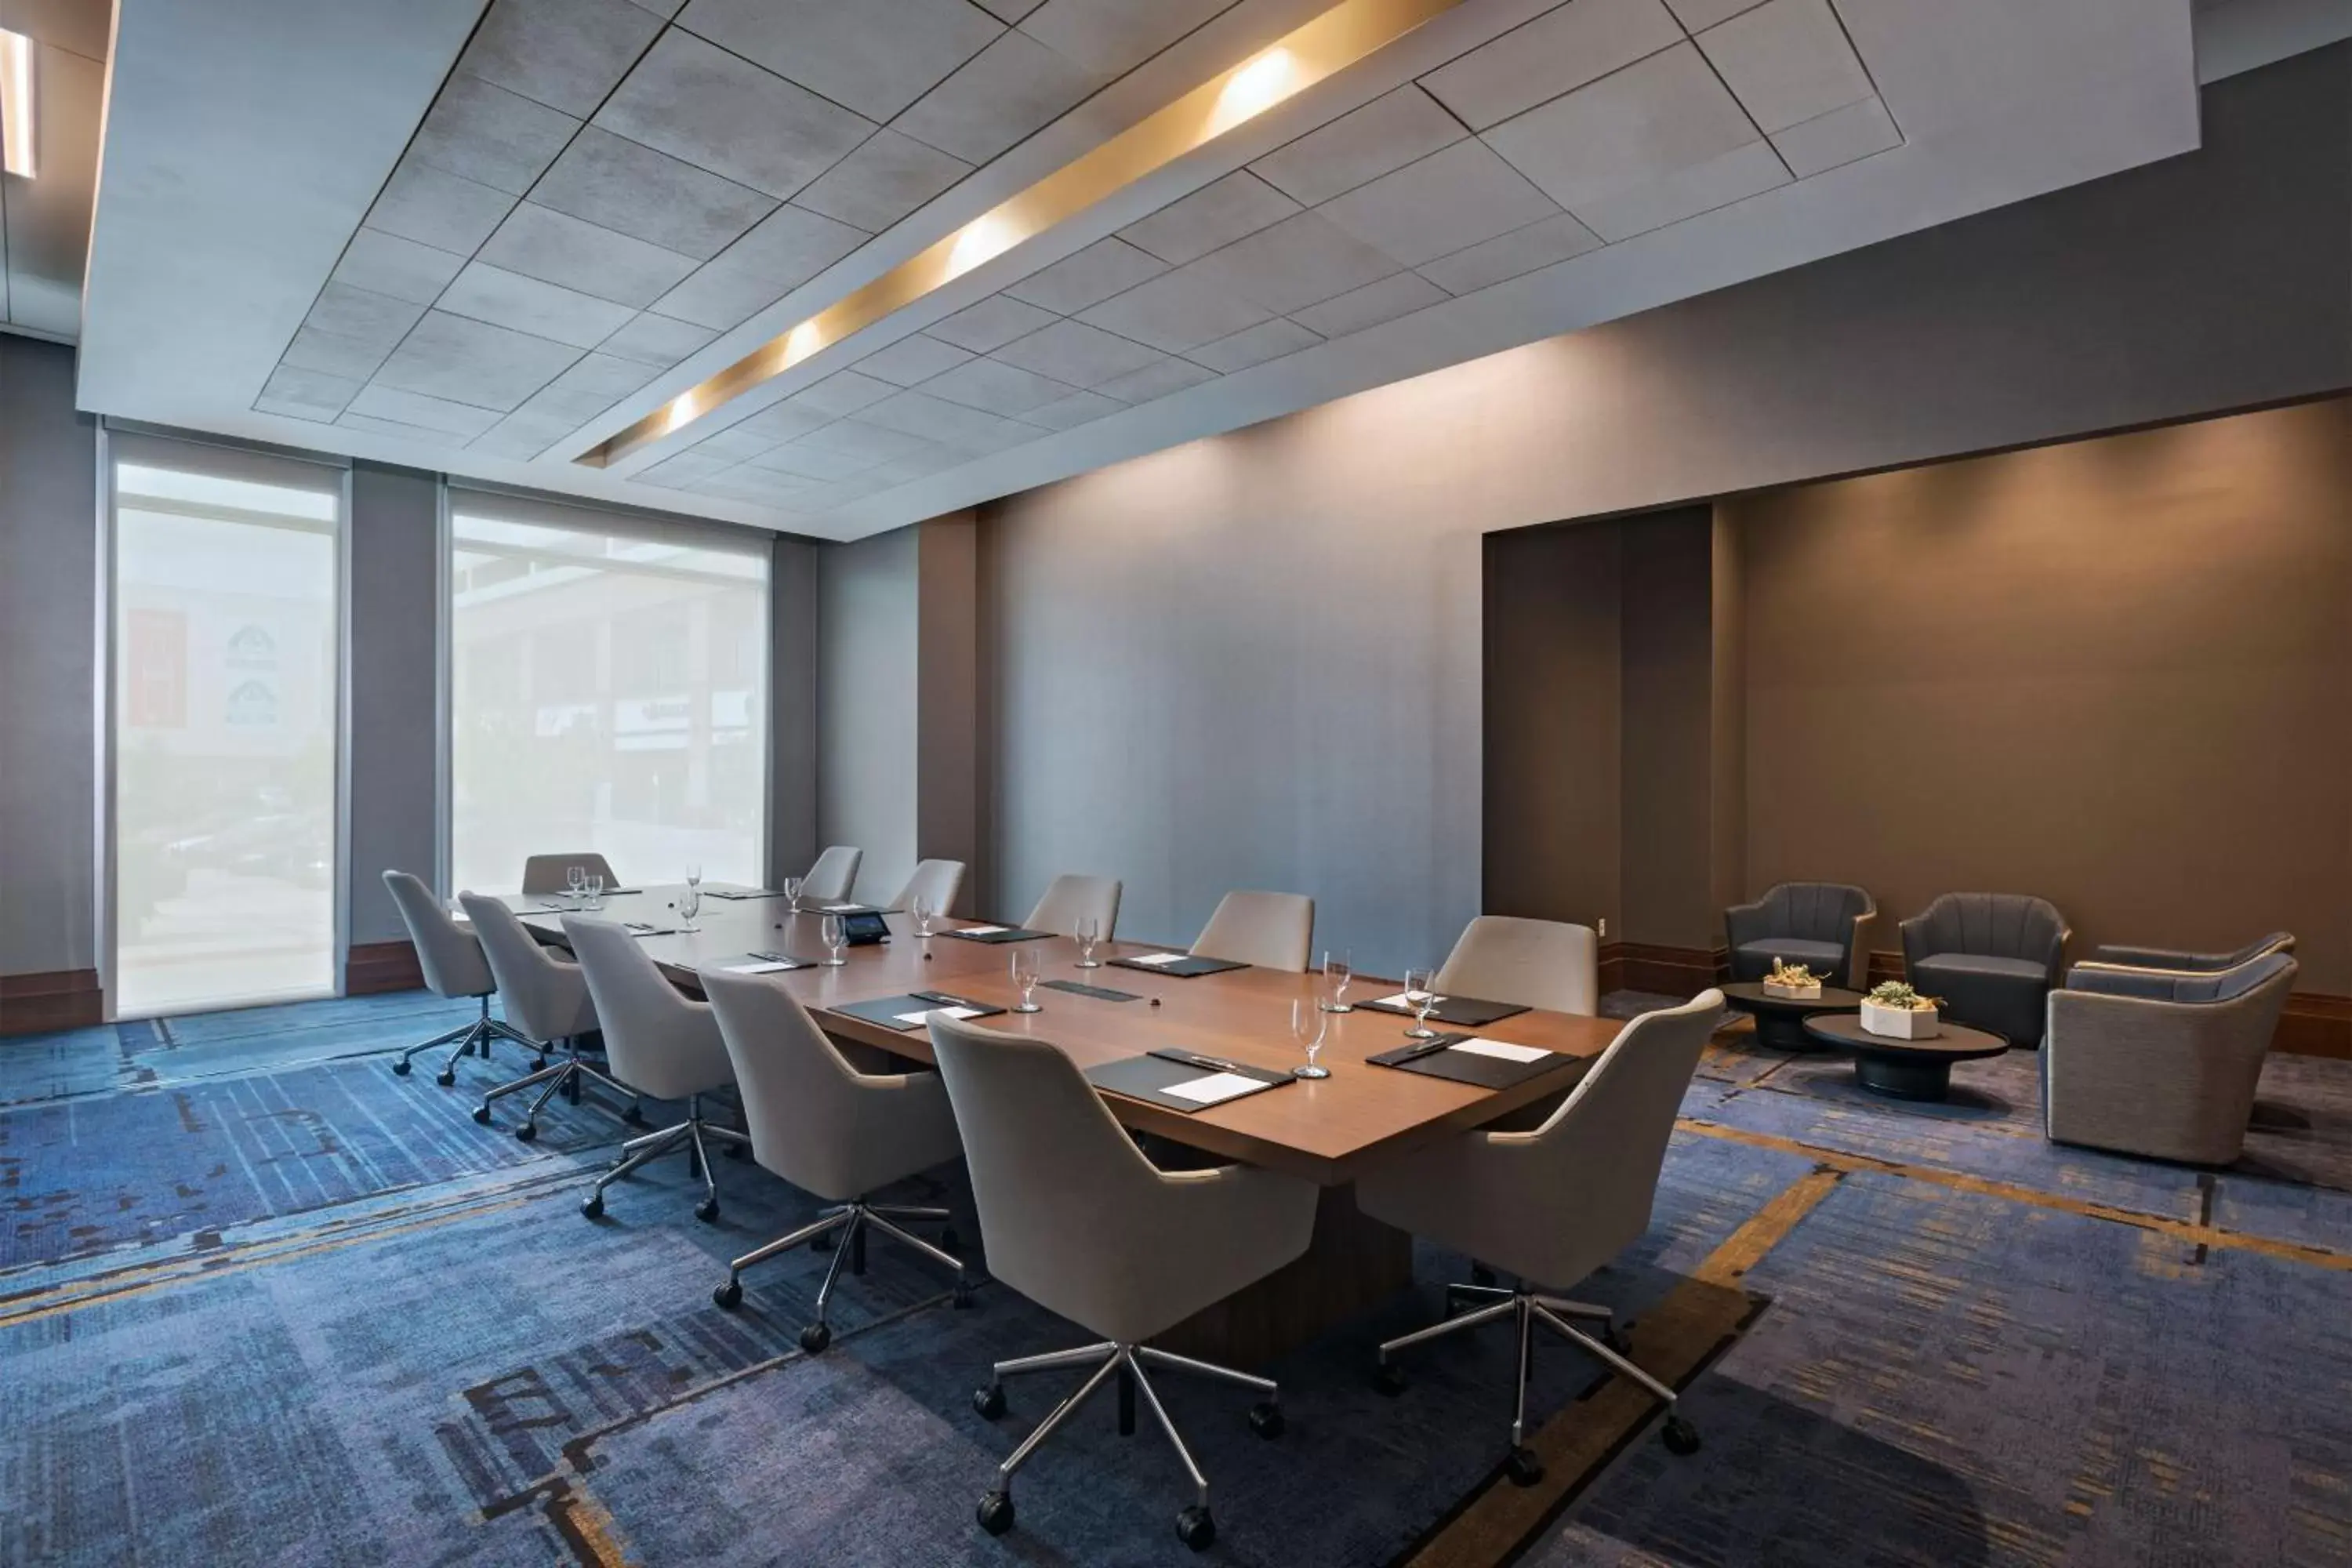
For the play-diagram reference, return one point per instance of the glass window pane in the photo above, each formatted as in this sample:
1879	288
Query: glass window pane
224	745
608	692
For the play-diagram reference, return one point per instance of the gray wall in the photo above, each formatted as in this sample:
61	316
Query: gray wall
868	614
394	722
792	598
1253	661
48	594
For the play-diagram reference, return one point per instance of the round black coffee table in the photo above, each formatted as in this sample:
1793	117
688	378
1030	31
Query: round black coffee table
1905	1069
1781	1020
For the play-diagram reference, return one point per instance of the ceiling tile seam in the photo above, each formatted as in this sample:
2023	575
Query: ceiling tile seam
1741	104
675	26
409	145
1867	74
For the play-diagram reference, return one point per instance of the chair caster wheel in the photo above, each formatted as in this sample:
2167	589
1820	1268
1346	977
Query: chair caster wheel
1482	1275
593	1206
482	1114
634	1117
707	1211
1616	1342
445	1077
1680	1436
539	1064
950	1240
400	1070
814	1338
963	1297
996	1512
1388	1379
1523	1468
737	1151
728	1296
1196	1529
1265	1419
990	1404
526	1133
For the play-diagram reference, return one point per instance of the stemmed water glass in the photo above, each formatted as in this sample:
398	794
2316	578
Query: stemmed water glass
921	910
1308	1024
832	933
575	879
792	895
1088	934
689	903
1025	976
1336	973
595	889
1421	995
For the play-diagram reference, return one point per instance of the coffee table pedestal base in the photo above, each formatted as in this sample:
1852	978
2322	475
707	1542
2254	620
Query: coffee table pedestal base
1900	1077
1784	1032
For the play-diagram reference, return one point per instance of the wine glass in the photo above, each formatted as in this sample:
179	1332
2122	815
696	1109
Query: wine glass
792	895
1337	971
1088	934
1421	995
921	909
694	874
833	935
689	902
595	889
1025	976
575	878
1308	1024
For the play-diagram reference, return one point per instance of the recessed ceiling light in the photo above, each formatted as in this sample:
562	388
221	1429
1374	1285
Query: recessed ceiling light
17	103
1336	38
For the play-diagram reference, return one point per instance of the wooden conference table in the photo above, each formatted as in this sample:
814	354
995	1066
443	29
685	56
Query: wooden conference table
1326	1132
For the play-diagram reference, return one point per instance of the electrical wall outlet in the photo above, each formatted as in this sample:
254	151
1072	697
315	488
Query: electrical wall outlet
1600	928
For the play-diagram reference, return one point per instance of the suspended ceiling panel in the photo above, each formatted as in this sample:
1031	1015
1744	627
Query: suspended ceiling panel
488	240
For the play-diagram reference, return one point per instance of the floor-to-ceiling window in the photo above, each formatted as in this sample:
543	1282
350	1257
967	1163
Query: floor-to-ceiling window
223	728
608	692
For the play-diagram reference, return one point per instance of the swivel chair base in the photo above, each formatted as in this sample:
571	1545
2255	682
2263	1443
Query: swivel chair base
478	1032
567	1077
1529	1307
852	1221
688	1134
1195	1526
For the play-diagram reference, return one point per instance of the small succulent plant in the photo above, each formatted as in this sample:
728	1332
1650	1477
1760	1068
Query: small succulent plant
1899	993
1795	974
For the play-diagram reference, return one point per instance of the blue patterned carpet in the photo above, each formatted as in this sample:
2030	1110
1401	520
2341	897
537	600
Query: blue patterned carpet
262	1302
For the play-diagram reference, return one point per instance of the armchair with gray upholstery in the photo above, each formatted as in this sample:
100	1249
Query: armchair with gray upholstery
2160	1063
1824	926
1990	958
2165	958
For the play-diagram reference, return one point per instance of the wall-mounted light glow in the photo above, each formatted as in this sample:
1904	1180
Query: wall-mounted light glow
1346	32
17	103
1255	87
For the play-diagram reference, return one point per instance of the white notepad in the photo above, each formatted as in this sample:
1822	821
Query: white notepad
950	1012
1479	1047
842	909
979	931
1215	1087
1402	1000
760	966
1156	958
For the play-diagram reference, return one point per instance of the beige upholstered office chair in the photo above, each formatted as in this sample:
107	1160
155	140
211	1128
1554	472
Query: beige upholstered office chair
550	873
454	967
1070	899
1554	1204
1272	931
1533	964
829	1129
658	1042
1077	1220
936	882
546	995
834	874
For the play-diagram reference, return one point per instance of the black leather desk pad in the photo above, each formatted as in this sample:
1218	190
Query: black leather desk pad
1011	933
1183	968
1467	1011
1099	992
1435	1059
1147	1077
885	1010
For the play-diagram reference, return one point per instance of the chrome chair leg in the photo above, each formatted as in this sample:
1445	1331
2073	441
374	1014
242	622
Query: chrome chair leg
635	1152
1195	1527
850	1220
400	1065
1526	1308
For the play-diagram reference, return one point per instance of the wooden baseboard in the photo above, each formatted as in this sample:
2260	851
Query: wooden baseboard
372	967
57	999
2314	1025
1669	971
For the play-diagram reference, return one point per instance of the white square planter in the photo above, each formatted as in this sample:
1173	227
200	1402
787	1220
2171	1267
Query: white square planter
1899	1023
1794	993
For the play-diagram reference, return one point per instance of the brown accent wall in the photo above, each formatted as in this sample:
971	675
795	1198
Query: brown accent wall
2117	673
1666	877
1552	696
